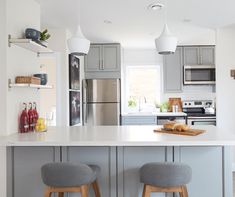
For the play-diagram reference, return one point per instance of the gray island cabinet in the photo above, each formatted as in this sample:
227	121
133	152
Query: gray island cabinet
120	151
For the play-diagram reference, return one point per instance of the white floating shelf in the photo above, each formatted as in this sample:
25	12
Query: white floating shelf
29	45
25	85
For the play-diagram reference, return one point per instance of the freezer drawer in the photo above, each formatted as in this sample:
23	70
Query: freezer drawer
101	114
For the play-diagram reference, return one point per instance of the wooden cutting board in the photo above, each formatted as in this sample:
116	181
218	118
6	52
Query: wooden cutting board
175	101
191	132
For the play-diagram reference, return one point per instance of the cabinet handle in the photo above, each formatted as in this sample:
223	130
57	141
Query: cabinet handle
102	64
201	59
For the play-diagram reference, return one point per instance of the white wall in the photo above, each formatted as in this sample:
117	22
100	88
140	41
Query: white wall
20	61
48	96
225	60
3	68
14	18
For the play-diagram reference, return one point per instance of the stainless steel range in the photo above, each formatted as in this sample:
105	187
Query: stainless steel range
200	112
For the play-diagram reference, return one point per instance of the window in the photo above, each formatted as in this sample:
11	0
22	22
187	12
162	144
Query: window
143	87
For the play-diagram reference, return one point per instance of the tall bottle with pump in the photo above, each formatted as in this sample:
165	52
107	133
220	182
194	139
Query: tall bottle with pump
35	114
31	117
24	124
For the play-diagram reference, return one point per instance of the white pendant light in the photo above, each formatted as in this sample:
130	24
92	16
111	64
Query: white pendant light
166	43
78	44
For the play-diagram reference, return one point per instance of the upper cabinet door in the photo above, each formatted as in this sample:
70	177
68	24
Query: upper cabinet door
173	71
207	55
93	60
111	57
191	56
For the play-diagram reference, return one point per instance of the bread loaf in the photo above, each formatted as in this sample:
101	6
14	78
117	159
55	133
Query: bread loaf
169	125
180	127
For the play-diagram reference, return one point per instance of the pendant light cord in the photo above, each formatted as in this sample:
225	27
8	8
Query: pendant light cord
79	12
165	13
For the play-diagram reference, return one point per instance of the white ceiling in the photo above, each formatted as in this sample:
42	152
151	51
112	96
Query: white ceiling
133	25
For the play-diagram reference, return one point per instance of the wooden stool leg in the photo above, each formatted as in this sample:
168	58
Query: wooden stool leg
185	192
147	191
60	194
47	192
96	188
84	191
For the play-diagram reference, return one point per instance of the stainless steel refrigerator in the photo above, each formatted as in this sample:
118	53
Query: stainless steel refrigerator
101	101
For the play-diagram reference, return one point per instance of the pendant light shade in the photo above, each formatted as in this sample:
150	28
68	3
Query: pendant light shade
166	43
78	44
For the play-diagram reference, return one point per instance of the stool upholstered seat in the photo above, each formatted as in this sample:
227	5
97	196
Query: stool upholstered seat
166	174
165	177
68	177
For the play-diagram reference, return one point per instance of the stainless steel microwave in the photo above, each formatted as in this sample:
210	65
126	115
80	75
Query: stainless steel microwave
199	74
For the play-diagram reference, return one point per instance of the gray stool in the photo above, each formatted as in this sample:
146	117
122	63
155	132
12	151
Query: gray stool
67	177
165	177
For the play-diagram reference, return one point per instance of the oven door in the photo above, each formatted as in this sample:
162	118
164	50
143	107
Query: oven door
199	74
202	121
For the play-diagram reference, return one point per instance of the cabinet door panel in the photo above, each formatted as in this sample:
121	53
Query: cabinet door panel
207	55
93	58
133	159
173	71
111	57
27	163
104	157
139	120
191	56
207	170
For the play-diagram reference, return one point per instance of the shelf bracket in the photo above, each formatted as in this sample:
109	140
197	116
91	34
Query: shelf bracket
9	83
9	40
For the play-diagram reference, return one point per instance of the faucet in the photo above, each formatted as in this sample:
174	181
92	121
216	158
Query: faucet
145	101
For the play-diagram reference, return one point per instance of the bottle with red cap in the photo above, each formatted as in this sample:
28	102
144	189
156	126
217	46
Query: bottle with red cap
31	117
24	124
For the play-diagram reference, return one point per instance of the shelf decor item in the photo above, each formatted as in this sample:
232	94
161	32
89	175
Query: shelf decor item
32	34
27	80
43	77
74	72
44	36
74	105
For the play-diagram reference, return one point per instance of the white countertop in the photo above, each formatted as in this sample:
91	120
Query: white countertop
119	136
155	114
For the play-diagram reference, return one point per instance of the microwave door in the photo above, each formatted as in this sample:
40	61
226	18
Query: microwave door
199	74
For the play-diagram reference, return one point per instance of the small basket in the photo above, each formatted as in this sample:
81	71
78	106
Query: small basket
28	80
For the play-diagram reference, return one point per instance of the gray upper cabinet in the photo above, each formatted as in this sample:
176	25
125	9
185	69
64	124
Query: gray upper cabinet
111	58
93	60
103	58
207	55
199	55
191	55
173	70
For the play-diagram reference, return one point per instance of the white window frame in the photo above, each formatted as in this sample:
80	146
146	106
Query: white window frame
126	81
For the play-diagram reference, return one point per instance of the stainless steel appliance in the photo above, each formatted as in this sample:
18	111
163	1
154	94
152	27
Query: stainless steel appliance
199	74
200	112
101	101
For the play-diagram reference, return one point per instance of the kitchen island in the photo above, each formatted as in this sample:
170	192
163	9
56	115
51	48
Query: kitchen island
120	151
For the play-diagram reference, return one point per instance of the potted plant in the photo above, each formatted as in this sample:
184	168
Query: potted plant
164	106
44	36
132	104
